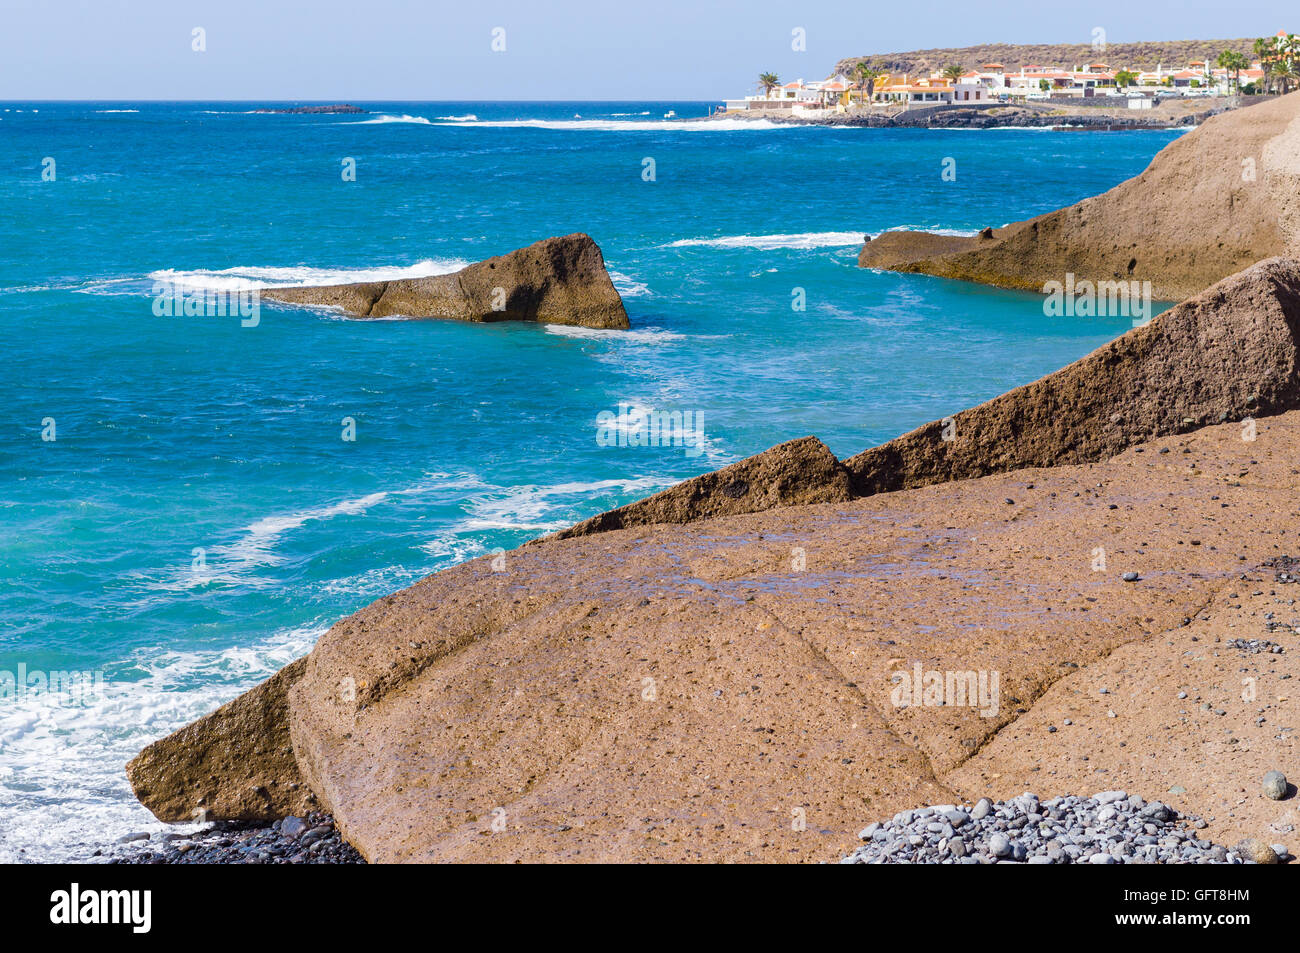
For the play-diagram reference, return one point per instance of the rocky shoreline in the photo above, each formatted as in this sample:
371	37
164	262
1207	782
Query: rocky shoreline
976	119
312	839
674	680
1069	118
1112	827
326	110
1231	185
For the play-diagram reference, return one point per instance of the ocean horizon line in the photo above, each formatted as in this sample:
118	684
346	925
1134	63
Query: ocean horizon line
340	100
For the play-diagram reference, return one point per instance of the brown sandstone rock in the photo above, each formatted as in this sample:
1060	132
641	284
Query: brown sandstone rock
722	690
1228	353
897	250
677	692
554	281
790	474
695	693
234	764
1211	203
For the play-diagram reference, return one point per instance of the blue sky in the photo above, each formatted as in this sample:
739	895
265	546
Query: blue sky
554	49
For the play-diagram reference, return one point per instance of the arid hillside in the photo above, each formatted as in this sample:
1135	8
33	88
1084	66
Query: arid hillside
1145	55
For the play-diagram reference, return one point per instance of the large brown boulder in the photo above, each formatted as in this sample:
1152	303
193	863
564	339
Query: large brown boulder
554	281
793	473
726	690
1212	202
234	764
1231	352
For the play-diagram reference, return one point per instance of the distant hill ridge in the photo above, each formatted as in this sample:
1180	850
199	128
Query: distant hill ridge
1135	56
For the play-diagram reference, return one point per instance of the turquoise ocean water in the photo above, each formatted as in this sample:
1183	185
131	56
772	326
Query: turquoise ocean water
198	520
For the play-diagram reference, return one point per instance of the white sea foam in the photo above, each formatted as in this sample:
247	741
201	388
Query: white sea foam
468	117
627	125
417	120
637	336
236	562
628	287
111	286
117	110
544	508
935	230
767	242
62	787
255	547
297	276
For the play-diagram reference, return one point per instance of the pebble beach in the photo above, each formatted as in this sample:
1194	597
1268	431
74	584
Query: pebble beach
1111	827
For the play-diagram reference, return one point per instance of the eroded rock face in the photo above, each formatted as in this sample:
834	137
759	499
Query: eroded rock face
554	281
234	764
1212	203
684	692
644	690
794	473
1231	352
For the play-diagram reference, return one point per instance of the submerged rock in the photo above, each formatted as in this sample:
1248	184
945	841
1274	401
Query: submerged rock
554	281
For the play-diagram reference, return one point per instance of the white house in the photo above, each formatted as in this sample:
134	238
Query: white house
935	92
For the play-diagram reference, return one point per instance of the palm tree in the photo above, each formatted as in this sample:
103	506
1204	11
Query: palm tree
1265	50
1234	63
954	72
1125	78
767	82
1287	62
1286	71
867	76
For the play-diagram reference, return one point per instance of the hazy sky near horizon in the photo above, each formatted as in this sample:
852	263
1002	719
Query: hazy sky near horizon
561	49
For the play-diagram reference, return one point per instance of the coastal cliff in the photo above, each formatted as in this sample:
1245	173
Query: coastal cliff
1211	203
554	281
677	678
642	689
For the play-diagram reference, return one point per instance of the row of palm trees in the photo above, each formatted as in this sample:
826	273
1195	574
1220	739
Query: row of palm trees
1280	58
1278	55
866	73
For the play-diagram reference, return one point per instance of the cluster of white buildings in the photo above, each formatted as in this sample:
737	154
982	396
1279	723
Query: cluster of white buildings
992	82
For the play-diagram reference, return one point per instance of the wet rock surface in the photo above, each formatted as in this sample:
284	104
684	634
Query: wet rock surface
312	839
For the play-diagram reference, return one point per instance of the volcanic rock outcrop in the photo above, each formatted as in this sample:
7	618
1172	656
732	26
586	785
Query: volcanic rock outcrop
728	690
638	689
234	764
1211	203
1228	353
554	281
795	473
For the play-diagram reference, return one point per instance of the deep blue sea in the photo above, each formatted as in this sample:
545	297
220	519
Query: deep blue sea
197	518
